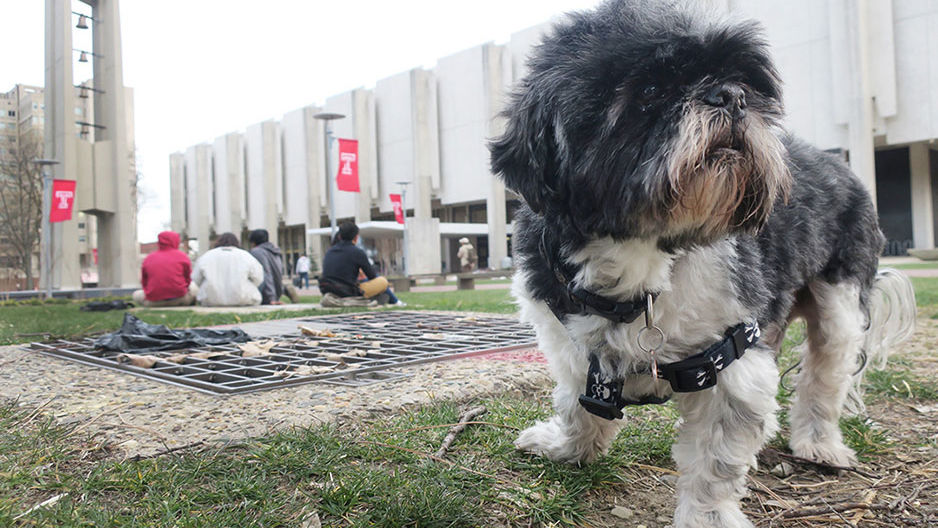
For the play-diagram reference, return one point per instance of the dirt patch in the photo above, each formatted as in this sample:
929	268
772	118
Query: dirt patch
898	487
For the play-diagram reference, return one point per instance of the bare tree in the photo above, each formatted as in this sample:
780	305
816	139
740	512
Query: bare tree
21	201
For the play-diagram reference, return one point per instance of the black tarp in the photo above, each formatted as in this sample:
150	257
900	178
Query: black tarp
136	336
104	306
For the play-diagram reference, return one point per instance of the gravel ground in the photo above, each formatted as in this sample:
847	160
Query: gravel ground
141	416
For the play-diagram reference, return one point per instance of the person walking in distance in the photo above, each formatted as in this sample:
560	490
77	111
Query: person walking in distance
302	269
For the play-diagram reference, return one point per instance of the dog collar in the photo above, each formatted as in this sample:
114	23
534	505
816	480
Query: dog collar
603	395
587	302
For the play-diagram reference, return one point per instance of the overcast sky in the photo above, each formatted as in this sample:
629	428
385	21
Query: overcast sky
202	68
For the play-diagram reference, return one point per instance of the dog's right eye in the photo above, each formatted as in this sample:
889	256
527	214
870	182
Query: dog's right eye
646	96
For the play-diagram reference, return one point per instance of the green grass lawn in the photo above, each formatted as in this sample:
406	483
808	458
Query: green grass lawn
377	474
926	293
362	474
382	475
30	321
914	265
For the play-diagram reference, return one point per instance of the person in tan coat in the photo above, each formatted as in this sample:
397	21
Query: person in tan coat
468	258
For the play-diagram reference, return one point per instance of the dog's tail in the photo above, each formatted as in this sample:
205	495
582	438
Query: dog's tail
891	321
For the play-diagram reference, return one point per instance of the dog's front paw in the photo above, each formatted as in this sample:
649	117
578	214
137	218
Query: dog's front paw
548	439
830	452
726	516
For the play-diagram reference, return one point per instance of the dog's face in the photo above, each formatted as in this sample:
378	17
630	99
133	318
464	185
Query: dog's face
640	120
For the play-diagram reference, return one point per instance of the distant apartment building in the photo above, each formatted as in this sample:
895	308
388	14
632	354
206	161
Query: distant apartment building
860	84
22	112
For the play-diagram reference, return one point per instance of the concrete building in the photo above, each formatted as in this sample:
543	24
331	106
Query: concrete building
22	118
859	80
406	131
101	157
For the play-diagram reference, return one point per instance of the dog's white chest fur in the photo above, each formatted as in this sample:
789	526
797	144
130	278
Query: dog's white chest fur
697	300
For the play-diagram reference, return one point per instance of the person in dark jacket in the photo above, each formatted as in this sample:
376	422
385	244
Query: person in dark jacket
341	266
166	275
270	258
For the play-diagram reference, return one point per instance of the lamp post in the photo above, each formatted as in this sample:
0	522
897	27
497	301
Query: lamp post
327	117
46	225
404	185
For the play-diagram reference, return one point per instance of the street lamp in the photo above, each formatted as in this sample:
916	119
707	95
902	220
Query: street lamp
404	185
327	117
46	225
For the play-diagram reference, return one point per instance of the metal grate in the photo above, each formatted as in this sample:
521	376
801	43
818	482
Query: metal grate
350	349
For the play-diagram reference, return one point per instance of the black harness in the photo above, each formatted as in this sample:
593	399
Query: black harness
603	396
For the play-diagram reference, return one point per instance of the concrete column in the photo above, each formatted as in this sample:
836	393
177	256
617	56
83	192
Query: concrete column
264	181
495	82
923	221
423	231
426	141
199	194
860	116
117	229
273	175
60	138
423	245
366	132
177	193
228	159
315	176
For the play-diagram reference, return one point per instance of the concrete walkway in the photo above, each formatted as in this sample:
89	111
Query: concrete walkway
236	309
141	416
313	290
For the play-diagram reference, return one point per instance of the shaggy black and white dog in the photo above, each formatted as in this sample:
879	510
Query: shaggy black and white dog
668	219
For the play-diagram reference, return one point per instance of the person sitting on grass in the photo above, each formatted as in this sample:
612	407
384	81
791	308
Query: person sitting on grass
228	275
341	266
165	275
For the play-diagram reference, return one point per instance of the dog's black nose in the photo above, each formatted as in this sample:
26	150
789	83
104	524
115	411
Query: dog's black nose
728	96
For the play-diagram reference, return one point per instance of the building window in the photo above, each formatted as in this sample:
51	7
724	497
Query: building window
78	111
11	113
81	225
82	238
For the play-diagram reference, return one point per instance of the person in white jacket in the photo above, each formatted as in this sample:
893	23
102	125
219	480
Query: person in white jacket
228	275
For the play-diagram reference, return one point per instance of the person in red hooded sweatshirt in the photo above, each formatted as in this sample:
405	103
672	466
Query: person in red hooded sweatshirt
165	275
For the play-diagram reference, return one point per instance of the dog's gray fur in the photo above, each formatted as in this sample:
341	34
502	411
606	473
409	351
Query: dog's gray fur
646	142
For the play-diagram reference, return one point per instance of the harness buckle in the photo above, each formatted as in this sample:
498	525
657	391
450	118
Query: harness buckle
691	375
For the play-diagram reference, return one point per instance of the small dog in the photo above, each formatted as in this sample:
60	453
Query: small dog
669	218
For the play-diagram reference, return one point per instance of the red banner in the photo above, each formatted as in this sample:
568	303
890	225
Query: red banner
398	207
347	178
63	196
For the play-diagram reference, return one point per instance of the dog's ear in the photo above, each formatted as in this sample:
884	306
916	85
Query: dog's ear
526	154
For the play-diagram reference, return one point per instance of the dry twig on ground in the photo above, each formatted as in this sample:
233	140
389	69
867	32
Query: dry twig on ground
463	422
